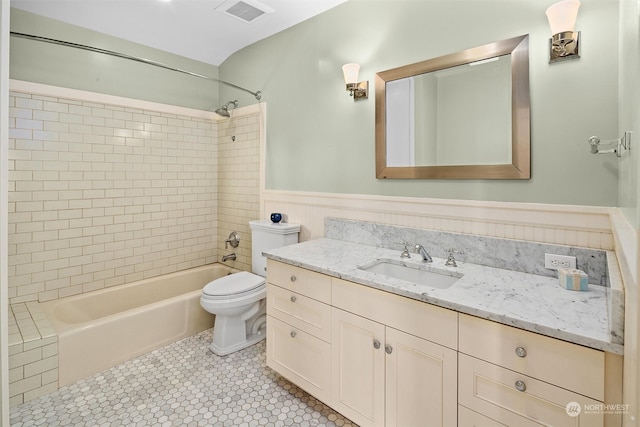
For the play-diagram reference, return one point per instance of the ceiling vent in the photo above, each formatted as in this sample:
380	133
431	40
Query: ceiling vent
247	11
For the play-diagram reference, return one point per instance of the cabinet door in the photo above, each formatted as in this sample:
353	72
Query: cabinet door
299	357
358	359
421	382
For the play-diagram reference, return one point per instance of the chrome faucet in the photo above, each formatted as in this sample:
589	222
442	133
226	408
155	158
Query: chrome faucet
419	249
231	257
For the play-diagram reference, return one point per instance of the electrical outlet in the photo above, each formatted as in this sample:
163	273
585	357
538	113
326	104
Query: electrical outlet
554	262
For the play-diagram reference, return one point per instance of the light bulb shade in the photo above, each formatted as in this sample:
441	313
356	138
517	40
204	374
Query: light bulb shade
351	73
562	16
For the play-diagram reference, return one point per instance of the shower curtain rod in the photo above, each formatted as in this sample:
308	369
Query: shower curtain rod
257	95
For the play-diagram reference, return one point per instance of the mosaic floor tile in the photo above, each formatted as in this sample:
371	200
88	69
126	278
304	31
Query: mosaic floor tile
182	384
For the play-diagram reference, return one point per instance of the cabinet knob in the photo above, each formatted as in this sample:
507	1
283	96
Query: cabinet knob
294	278
376	344
293	298
521	352
388	349
521	386
293	334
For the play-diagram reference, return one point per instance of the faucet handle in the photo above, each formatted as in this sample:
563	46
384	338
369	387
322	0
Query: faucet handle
405	252
451	261
233	240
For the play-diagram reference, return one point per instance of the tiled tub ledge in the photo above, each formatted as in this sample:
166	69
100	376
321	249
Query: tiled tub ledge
33	353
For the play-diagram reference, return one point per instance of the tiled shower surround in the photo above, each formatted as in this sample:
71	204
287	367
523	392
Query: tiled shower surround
102	195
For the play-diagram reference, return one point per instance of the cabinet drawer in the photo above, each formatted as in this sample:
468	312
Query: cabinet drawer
305	282
299	357
301	312
469	418
567	365
492	391
417	318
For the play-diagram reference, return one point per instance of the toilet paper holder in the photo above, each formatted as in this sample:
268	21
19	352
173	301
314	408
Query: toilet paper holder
619	144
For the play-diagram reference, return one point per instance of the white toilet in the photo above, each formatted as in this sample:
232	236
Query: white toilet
238	300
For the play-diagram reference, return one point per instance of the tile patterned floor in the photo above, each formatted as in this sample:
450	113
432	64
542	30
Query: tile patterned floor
182	384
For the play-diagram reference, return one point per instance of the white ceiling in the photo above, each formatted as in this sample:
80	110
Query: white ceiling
196	29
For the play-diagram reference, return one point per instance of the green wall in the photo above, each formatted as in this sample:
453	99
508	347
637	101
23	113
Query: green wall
629	91
78	69
319	139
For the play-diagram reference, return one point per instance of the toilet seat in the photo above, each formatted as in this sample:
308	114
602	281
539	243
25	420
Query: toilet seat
234	285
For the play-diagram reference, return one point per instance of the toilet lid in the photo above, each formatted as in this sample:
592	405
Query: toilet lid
233	284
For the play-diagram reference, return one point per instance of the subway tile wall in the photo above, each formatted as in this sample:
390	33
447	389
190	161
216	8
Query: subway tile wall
239	184
102	195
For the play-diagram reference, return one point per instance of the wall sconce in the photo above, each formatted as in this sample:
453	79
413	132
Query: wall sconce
356	89
564	44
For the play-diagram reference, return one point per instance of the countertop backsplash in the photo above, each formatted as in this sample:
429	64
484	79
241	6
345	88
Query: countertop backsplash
515	255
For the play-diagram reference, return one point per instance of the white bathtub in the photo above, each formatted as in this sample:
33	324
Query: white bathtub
100	329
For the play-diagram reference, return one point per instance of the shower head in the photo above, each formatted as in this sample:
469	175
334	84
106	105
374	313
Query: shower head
224	110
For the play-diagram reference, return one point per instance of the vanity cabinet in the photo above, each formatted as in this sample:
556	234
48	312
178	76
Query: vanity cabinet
381	359
519	378
373	356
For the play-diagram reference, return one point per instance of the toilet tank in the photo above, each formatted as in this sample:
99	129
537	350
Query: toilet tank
267	235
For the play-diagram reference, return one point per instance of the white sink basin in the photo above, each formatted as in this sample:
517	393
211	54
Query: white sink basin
417	274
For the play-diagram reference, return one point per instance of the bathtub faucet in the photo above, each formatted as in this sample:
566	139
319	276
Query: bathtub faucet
231	257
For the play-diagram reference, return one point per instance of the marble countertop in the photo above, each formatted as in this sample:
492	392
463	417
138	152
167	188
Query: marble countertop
526	301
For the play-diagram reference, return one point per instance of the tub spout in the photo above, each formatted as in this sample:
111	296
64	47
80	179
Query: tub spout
231	257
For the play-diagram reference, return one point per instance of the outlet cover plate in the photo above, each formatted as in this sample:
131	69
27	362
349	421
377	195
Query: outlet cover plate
554	262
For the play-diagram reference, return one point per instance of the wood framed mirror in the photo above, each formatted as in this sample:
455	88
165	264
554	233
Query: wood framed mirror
460	116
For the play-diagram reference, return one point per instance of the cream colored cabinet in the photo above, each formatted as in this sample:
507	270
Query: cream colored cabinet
519	378
358	360
420	382
300	357
383	376
299	327
383	359
469	418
